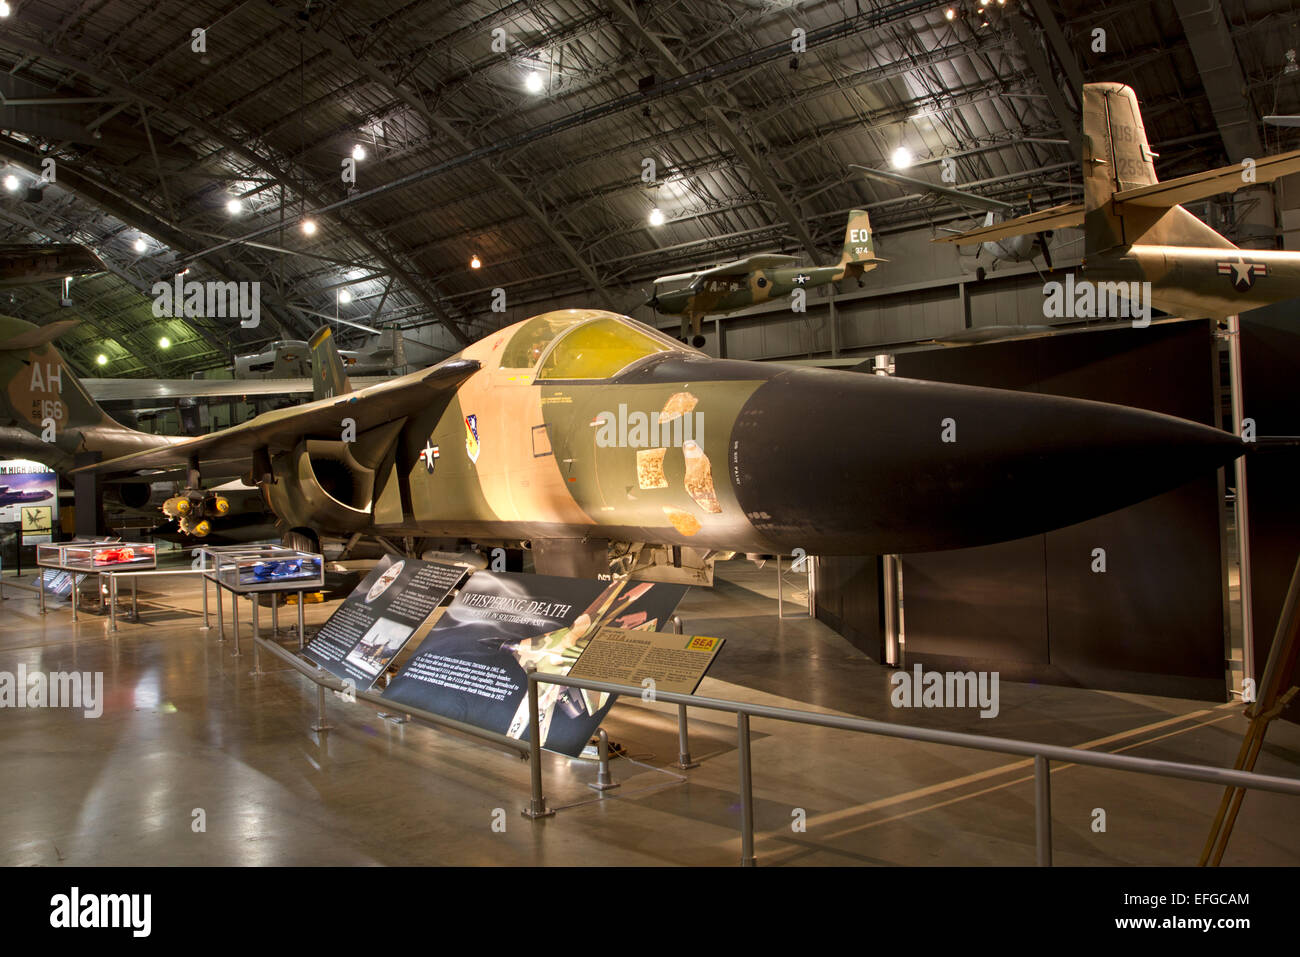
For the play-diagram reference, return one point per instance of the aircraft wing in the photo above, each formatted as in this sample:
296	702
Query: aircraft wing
282	428
1225	179
122	390
958	196
1057	217
750	263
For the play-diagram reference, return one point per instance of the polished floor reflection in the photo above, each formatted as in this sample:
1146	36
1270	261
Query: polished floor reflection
195	760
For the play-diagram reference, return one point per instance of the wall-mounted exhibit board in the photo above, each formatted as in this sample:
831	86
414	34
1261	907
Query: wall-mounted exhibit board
471	665
380	616
1034	608
1270	361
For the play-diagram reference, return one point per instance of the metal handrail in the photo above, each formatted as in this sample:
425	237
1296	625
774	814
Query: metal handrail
1042	754
325	679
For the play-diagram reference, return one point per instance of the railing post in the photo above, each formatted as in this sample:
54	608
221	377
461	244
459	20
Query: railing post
321	724
203	573
746	792
221	623
300	638
112	602
684	761
40	584
234	620
257	633
1043	810
604	780
537	805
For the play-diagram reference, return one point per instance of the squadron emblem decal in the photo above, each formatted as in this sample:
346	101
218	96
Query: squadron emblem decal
1243	273
471	438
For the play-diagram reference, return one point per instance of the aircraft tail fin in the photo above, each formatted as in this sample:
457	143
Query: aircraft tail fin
1116	158
327	375
41	394
859	252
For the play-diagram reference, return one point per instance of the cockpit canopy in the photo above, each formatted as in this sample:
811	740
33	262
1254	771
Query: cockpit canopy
582	344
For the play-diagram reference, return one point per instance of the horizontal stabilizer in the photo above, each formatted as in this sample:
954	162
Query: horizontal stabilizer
961	197
1057	217
35	338
1225	179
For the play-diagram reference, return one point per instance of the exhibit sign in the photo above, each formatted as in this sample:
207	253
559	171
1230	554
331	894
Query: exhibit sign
378	618
656	661
29	493
471	666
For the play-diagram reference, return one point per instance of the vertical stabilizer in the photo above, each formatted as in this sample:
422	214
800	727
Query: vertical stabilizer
1117	156
327	376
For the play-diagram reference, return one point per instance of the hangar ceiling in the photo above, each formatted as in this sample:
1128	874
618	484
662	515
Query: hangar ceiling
153	134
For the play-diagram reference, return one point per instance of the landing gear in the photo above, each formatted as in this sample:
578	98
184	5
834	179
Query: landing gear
698	342
302	540
980	274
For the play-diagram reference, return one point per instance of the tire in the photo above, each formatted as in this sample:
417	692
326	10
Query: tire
302	540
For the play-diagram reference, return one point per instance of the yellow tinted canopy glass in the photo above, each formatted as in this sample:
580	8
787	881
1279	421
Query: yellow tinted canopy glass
598	350
530	341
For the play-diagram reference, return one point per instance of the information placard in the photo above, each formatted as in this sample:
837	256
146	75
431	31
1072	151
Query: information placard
675	663
471	666
379	617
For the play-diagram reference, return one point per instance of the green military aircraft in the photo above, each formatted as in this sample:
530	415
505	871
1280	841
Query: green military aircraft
1136	231
609	448
747	282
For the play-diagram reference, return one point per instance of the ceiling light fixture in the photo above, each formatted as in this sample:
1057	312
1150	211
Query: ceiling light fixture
358	152
234	207
902	158
656	217
309	227
475	262
533	82
345	296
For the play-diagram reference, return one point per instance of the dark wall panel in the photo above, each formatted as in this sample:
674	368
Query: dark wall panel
1270	351
848	599
1033	608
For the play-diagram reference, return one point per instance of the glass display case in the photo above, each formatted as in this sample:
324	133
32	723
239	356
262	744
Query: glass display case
246	568
97	556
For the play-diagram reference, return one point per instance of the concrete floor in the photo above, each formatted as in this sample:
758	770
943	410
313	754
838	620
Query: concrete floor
187	727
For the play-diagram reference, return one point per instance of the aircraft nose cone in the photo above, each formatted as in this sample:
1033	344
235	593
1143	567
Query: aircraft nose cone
848	463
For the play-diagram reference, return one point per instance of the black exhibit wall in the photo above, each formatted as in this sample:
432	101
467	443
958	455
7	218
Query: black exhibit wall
1270	360
1034	608
848	600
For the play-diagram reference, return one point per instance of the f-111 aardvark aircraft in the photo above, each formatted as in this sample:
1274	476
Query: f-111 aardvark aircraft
608	446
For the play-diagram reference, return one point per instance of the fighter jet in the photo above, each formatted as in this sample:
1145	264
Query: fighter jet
291	358
605	445
1136	231
14	497
732	286
47	415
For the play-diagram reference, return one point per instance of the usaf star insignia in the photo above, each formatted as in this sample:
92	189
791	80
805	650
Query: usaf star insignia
1243	273
429	456
801	278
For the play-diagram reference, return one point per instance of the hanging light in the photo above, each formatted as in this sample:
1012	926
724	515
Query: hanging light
140	245
533	82
234	207
11	183
358	152
902	158
475	262
345	297
309	227
101	360
656	217
164	343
